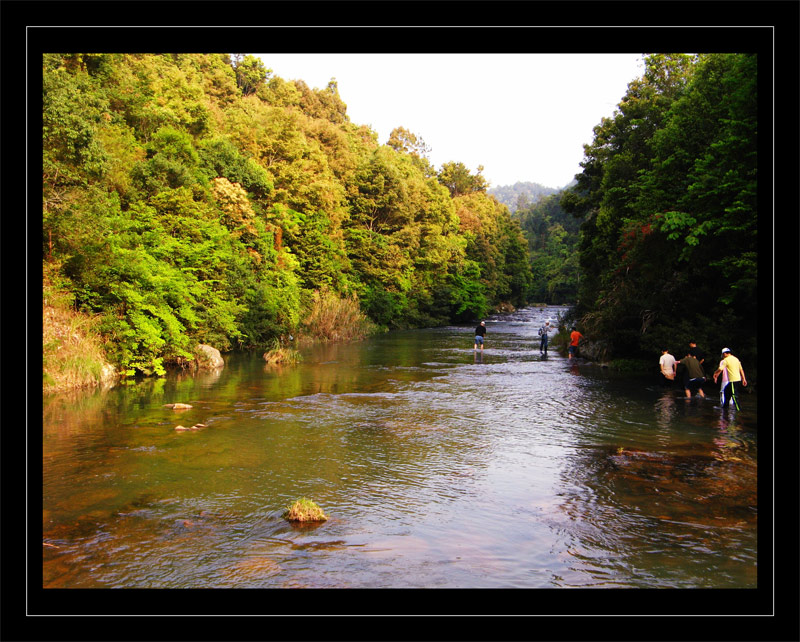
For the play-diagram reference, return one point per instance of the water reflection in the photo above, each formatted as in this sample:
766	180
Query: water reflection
666	409
646	504
439	466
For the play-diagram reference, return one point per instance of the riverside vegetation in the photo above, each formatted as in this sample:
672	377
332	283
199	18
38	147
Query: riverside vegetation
199	199
195	199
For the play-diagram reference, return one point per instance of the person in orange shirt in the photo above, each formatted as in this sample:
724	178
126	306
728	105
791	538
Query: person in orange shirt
574	338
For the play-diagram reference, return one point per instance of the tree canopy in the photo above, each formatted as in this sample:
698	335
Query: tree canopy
198	198
193	198
667	200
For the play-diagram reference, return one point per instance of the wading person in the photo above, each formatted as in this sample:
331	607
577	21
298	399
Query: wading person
696	352
480	333
543	337
693	375
574	338
731	367
667	364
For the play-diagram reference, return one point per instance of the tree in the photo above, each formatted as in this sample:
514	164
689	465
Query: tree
552	237
251	73
456	177
194	198
325	104
668	202
402	140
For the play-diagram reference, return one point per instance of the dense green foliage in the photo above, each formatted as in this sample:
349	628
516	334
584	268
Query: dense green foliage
196	198
667	200
553	237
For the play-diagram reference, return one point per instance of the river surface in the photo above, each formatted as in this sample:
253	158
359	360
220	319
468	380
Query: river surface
437	467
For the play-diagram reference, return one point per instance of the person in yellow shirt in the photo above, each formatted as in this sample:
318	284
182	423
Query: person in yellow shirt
736	377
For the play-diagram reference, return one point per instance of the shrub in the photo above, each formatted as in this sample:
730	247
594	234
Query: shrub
280	354
73	354
330	318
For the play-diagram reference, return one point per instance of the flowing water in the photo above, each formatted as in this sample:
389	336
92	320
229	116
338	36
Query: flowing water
437	467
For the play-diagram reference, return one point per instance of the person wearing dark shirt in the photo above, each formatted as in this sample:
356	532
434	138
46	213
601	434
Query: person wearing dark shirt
480	333
693	375
696	352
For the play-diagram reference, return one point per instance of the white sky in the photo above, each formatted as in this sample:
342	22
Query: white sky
524	117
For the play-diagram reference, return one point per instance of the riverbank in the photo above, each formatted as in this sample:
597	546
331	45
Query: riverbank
73	355
74	352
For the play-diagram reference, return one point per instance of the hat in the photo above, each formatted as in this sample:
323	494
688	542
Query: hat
724	350
547	322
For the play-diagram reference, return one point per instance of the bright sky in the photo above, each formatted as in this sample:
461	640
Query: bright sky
524	117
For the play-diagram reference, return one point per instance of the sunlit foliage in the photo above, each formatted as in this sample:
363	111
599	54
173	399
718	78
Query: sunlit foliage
198	198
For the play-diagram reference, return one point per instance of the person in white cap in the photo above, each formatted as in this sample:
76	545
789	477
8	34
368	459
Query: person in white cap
732	368
544	338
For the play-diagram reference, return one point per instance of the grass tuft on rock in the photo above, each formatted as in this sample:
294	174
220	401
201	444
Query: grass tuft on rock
304	510
282	355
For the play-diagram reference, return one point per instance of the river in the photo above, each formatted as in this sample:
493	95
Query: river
438	467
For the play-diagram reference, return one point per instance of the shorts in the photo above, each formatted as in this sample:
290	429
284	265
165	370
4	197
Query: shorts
573	350
478	340
694	384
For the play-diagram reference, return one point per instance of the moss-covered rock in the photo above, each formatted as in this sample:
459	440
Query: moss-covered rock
304	510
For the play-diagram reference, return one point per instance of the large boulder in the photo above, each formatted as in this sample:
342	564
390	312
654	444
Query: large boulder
208	358
598	350
108	375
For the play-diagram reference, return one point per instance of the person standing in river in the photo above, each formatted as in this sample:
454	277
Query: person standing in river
544	338
480	333
736	377
667	364
574	338
693	375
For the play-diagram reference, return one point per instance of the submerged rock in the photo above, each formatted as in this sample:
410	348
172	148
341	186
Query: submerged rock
180	428
178	406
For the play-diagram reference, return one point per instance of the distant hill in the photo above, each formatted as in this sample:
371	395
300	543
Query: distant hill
521	195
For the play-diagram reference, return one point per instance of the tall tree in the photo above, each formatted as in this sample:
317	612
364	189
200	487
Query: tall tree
668	202
456	177
251	73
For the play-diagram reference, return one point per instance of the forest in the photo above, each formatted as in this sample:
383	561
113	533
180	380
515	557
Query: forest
199	199
521	195
668	204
